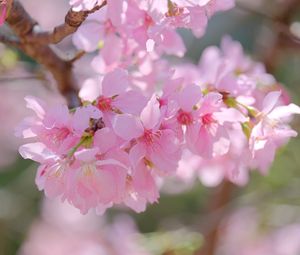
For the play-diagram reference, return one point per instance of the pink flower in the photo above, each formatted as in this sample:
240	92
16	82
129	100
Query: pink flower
206	133
92	178
58	129
159	147
115	95
141	187
271	130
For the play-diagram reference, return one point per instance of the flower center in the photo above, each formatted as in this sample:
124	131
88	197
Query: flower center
150	137
148	21
59	135
104	104
184	118
207	119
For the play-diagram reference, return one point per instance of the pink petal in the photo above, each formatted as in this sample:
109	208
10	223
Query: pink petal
107	181
105	139
211	102
189	97
136	153
144	184
82	116
116	11
135	202
132	102
150	115
86	155
165	164
270	101
112	50
57	116
115	83
221	142
90	90
34	151
127	126
36	105
204	144
87	36
229	115
284	111
172	43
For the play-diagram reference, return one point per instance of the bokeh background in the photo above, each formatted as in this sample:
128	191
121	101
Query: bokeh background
261	218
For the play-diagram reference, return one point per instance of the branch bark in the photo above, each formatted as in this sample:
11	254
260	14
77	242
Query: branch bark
9	40
22	25
73	21
36	45
283	37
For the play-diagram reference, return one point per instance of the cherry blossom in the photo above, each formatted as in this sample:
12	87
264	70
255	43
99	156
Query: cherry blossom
143	120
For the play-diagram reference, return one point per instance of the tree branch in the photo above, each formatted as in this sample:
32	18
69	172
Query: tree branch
283	38
73	21
9	40
218	202
35	45
280	23
22	24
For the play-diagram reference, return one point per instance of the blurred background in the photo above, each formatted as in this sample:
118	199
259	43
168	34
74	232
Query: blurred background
261	218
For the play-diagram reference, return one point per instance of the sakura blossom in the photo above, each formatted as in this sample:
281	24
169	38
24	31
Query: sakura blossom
118	146
127	31
149	127
143	120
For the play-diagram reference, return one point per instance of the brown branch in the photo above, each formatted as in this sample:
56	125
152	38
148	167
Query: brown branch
22	25
12	79
218	202
283	39
35	45
73	21
279	22
9	40
77	56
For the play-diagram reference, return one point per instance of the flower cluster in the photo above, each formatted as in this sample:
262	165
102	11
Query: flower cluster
114	148
133	32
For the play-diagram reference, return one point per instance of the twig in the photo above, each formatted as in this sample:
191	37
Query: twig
9	40
279	23
36	45
22	24
73	21
283	38
11	79
77	56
